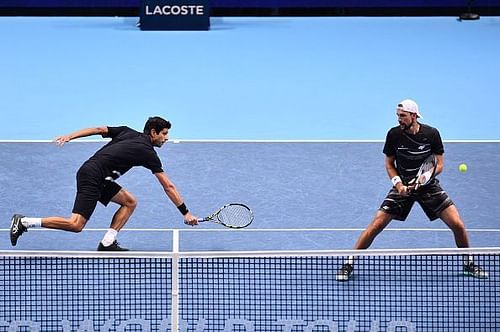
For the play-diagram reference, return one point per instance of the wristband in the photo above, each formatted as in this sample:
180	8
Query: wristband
395	180
183	209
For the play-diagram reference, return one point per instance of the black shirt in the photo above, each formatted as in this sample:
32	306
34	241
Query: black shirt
127	148
411	150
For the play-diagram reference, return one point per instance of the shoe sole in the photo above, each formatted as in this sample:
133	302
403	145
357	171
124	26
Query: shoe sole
470	274
103	248
110	250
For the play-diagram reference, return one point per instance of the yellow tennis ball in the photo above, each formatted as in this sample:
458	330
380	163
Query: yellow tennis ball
462	168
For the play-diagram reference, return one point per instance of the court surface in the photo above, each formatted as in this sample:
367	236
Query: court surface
305	196
267	81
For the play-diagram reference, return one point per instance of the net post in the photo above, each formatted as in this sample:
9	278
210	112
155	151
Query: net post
175	281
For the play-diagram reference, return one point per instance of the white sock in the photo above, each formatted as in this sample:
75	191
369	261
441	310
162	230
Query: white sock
468	259
31	222
109	237
349	260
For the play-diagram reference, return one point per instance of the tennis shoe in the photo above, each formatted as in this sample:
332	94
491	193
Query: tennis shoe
475	271
16	228
345	272
115	246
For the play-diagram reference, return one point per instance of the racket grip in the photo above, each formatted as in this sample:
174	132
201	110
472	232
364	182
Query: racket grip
202	219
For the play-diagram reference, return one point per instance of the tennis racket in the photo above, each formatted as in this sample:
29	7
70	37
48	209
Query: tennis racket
234	215
425	173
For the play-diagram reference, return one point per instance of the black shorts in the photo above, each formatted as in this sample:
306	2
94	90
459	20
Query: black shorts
432	198
91	187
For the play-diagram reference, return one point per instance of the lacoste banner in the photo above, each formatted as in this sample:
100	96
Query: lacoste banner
175	15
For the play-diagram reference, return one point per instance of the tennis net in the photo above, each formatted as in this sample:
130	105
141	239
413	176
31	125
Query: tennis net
404	290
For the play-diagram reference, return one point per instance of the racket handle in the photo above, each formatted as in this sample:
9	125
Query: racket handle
202	219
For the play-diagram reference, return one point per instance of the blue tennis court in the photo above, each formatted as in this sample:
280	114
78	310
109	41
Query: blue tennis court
304	195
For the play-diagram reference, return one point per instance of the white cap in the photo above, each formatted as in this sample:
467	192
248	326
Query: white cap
410	106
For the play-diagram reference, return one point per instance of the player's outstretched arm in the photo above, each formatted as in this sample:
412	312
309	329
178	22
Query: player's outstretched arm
60	140
175	197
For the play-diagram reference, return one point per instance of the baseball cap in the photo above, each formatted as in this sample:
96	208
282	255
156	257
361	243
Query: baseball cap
410	106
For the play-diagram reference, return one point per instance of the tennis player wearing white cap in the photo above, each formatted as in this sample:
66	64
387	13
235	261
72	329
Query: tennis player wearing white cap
406	147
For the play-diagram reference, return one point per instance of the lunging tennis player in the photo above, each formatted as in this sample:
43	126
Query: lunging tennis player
406	147
96	181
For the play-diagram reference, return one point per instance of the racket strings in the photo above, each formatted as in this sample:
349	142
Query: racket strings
235	216
428	166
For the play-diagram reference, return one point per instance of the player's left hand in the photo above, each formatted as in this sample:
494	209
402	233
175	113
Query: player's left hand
60	140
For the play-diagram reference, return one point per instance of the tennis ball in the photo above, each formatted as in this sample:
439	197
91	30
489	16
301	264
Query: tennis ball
462	168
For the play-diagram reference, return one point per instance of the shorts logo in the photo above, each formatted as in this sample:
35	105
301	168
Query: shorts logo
114	175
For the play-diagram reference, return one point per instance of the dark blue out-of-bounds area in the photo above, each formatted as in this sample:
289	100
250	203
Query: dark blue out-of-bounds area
255	3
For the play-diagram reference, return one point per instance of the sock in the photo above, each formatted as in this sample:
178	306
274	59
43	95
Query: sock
31	222
350	260
468	259
109	237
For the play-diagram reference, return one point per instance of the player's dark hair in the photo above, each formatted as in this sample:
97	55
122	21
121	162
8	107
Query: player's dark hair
156	123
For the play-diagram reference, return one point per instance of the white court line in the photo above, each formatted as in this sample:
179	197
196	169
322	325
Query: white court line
52	141
470	230
253	141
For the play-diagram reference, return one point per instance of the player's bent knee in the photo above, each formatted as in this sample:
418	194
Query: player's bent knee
76	227
128	200
76	223
131	202
458	226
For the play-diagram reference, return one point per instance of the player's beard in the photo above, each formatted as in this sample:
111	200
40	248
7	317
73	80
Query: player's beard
405	127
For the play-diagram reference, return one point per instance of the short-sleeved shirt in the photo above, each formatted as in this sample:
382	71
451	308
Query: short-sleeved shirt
95	178
411	150
127	148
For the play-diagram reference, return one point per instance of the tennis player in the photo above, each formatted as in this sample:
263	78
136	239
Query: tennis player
406	147
96	181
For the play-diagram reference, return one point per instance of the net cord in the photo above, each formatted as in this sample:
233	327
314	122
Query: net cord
270	253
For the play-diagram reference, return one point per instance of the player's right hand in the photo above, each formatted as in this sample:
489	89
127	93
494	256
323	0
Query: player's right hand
190	219
402	189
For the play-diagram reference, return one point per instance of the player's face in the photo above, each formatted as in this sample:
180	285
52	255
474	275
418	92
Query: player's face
160	138
405	119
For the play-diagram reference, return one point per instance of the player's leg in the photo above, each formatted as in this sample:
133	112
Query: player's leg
366	238
20	224
127	204
452	219
378	224
437	204
88	192
75	223
394	206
